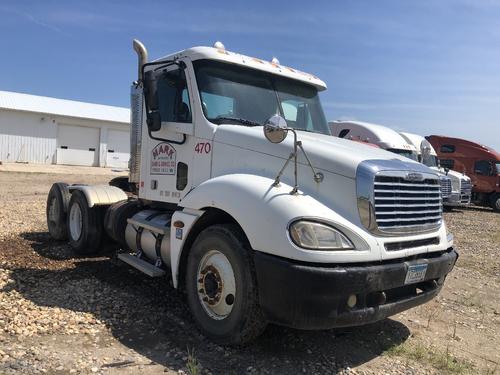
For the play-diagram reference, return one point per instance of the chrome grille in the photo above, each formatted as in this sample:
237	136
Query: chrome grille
445	183
402	205
465	191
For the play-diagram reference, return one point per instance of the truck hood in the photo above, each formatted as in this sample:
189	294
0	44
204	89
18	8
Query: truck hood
327	153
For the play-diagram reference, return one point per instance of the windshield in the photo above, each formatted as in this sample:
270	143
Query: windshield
406	153
247	96
430	161
498	167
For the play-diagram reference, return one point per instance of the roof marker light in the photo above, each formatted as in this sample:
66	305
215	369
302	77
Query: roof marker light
275	61
219	46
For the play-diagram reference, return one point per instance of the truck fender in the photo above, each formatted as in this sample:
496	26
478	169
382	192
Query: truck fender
100	195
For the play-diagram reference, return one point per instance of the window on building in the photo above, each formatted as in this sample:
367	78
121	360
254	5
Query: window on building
447	163
483	167
173	97
447	149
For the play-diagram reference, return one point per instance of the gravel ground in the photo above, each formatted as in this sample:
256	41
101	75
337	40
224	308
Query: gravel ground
62	314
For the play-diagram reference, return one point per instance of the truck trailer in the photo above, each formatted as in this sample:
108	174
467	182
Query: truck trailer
461	185
239	196
480	162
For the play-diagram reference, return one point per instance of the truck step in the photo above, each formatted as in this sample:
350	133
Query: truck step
141	265
149	226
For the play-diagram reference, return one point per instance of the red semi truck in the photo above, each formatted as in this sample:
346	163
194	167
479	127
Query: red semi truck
480	163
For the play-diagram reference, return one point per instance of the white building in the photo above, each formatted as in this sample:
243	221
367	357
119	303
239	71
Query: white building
39	129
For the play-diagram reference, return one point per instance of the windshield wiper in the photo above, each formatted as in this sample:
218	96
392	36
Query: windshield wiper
242	121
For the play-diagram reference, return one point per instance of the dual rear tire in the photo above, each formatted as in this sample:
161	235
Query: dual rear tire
69	217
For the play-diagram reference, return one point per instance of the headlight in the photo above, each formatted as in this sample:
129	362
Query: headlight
318	236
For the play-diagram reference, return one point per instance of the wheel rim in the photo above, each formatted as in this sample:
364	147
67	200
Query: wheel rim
216	285
75	221
53	210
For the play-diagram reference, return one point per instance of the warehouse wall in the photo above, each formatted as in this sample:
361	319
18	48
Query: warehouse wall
27	137
32	137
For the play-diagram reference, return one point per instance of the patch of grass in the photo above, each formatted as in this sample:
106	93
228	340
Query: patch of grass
192	365
439	359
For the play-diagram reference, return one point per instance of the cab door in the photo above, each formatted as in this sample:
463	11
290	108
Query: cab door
167	138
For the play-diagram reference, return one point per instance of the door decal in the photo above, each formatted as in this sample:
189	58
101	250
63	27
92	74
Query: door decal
163	159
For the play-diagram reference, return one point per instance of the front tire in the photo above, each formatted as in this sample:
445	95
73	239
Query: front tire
221	286
495	202
85	225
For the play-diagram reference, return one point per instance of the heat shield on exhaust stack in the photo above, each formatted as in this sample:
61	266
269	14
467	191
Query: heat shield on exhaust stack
136	103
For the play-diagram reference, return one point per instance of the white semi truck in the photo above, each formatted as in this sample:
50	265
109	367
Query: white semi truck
238	194
461	185
392	141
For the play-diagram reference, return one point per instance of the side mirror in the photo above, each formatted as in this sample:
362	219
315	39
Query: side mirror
275	129
446	170
153	118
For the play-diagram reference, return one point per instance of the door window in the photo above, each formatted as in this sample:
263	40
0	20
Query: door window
173	96
482	167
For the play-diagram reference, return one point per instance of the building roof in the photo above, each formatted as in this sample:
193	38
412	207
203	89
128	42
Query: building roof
62	107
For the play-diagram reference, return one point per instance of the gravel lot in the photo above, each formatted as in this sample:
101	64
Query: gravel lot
62	314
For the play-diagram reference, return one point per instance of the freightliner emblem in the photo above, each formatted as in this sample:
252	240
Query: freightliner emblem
413	176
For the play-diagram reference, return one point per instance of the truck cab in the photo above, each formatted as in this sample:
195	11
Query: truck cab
392	141
480	162
461	185
239	195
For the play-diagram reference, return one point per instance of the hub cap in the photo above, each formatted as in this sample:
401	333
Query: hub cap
75	222
216	284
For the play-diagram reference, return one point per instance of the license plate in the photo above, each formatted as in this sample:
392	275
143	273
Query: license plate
415	273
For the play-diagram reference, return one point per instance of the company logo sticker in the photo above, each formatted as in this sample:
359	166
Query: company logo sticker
163	159
413	176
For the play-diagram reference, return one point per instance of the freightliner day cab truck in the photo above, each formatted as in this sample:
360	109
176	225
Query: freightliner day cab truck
392	141
239	194
461	185
480	162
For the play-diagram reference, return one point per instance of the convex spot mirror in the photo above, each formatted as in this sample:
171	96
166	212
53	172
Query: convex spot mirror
275	129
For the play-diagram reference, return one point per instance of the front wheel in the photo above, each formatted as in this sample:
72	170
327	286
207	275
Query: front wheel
495	202
221	287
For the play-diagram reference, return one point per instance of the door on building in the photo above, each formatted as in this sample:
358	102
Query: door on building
118	151
77	145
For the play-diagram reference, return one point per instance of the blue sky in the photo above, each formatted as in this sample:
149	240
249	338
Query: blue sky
429	67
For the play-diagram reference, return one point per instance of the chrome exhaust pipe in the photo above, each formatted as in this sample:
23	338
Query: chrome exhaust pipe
142	55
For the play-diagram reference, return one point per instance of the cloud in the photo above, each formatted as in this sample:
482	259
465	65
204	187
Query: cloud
34	20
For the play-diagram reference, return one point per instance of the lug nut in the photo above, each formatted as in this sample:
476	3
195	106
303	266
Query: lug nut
351	301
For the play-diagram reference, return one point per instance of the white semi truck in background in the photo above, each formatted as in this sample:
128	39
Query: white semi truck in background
461	185
395	142
238	193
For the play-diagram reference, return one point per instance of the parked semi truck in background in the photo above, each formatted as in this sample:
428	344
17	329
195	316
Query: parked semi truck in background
392	141
480	162
461	186
239	194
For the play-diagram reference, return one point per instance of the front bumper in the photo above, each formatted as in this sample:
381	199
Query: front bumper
308	296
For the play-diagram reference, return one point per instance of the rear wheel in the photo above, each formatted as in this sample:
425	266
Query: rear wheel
56	211
85	224
221	287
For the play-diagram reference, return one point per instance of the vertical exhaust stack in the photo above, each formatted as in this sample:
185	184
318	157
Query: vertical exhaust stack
142	55
136	111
